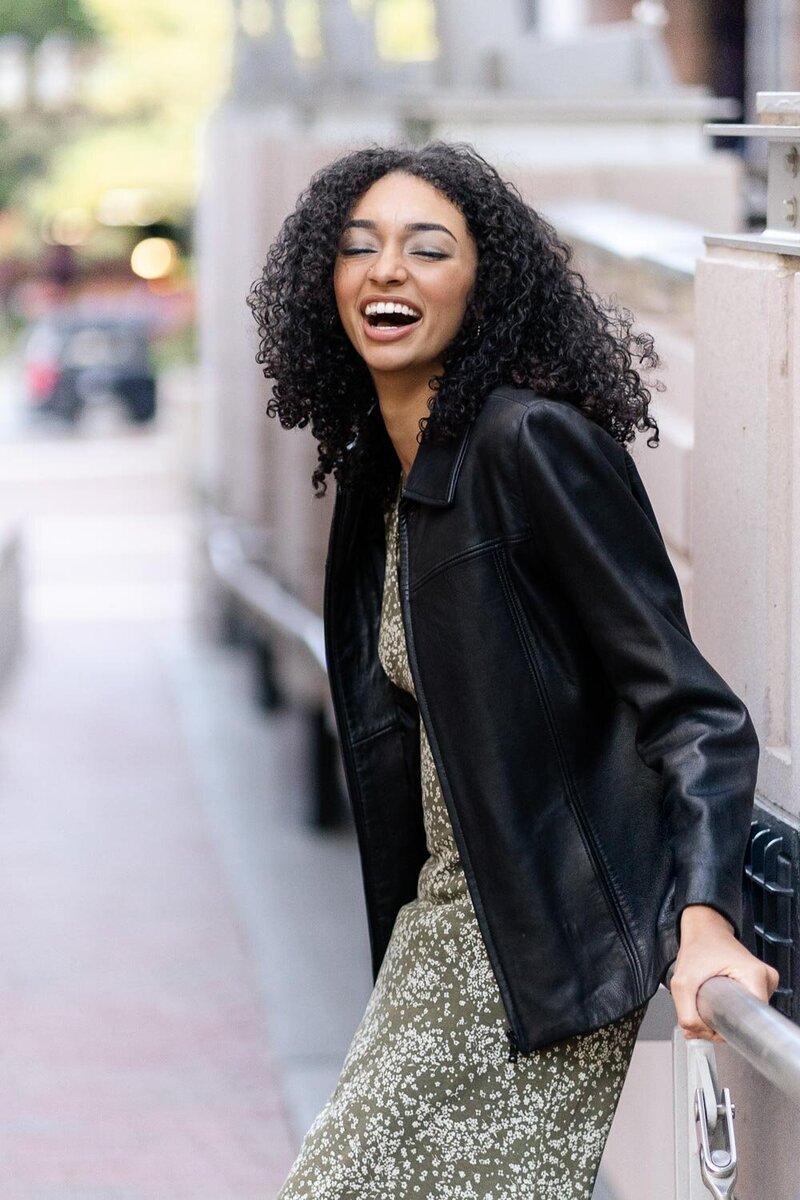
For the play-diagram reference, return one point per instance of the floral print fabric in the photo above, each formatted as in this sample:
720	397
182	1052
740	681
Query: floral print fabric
427	1103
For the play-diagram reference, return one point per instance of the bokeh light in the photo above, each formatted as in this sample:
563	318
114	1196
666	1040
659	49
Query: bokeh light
154	258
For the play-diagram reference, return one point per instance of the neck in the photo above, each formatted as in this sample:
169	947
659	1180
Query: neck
403	402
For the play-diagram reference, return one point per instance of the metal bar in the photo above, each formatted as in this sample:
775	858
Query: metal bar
272	603
10	599
764	1038
772	133
743	241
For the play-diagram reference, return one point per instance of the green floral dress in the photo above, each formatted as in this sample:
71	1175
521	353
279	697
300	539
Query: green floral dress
427	1103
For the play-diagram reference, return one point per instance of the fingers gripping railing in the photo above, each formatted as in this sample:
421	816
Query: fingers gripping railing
705	1143
768	1041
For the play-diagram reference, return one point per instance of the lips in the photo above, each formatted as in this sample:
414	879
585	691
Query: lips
388	320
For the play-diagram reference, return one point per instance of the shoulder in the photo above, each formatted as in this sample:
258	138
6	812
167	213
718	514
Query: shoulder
546	425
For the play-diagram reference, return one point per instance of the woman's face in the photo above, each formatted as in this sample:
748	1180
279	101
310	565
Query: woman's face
404	244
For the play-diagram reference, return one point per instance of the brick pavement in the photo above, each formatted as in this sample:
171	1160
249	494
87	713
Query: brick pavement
135	1047
133	1043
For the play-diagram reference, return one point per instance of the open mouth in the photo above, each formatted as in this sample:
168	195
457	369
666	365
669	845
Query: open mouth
389	315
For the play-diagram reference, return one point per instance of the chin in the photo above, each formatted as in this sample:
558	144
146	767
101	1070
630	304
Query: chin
390	362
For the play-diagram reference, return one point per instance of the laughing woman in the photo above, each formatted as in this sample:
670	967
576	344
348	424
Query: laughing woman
551	786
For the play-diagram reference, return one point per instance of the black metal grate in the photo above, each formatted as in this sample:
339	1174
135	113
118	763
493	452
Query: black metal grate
769	875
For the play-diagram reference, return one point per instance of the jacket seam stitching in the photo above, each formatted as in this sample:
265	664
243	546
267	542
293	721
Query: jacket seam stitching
457	465
367	737
535	538
569	783
524	404
473	552
626	458
612	877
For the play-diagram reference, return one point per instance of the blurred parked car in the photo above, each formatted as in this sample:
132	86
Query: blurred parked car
75	359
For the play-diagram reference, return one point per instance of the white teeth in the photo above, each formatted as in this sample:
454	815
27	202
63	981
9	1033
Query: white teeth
381	307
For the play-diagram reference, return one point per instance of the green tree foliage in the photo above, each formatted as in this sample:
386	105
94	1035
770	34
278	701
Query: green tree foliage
35	19
156	69
26	140
167	58
25	149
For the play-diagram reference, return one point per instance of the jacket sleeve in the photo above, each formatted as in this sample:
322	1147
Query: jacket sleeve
597	534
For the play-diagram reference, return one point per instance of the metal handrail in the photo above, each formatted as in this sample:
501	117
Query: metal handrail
762	1036
272	603
10	598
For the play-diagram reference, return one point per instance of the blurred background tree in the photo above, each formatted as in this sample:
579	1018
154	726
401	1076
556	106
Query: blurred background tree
36	21
114	150
101	102
117	151
26	139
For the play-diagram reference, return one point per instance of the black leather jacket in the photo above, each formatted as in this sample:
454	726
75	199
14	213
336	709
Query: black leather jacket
598	772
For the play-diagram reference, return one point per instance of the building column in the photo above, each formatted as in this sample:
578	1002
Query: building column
746	551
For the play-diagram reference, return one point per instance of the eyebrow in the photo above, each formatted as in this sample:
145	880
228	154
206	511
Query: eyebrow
412	227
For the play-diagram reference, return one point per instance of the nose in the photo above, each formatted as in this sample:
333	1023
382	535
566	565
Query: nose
387	266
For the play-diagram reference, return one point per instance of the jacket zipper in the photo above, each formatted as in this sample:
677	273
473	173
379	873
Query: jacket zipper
586	832
513	1030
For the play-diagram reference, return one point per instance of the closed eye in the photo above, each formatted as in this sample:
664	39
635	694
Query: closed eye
351	251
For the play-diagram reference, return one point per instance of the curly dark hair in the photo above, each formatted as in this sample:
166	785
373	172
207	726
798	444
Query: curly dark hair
530	321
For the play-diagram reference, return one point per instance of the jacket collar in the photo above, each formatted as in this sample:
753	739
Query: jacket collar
434	472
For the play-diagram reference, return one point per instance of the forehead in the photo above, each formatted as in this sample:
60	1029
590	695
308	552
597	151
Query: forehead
405	198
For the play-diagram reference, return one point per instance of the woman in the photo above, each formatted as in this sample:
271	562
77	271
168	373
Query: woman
551	786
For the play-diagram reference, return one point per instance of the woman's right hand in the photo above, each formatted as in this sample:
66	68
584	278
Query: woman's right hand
708	948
